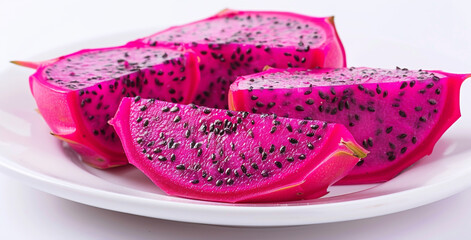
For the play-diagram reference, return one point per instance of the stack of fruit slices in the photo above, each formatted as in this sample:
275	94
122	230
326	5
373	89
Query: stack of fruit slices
299	120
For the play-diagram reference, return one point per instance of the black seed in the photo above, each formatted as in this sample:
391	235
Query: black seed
378	89
403	150
264	155
403	85
165	109
310	146
432	102
282	149
200	151
430	85
322	95
289	127
177	119
254	97
370	109
272	149
290	159
230	181
139	140
254	166
392	146
143	108
162	158
311	134
264	173
259	104
292	140
391	156
260	149
220	170
206	111
314	127
243	168
418	108
195	181
361	88
402	114
250	133
218	182
437	91
157	150
299	108
412	83
321	108
137	98
278	164
309	102
414	140
146	123
139	119
422	119
385	93
389	129
273	129
174	109
270	104
172	157
370	142
180	167
402	136
359	163
302	157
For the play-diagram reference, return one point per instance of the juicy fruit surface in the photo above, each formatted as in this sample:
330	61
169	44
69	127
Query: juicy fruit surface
221	155
94	66
395	114
236	43
93	82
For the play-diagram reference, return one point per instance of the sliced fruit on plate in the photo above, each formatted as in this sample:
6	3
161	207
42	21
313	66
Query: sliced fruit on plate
398	115
227	156
77	94
233	43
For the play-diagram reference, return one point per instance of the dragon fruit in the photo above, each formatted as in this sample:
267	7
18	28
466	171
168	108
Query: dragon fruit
397	115
77	94
226	156
234	43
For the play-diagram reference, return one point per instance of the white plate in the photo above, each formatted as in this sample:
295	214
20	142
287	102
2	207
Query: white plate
30	154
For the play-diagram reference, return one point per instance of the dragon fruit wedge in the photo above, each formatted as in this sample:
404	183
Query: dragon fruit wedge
234	43
398	115
226	156
77	94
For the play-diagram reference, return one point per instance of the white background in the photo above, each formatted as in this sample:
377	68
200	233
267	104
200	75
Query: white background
31	28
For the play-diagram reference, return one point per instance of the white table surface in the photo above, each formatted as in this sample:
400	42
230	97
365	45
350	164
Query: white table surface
30	28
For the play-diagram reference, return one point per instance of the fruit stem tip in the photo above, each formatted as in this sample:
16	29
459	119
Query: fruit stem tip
356	149
26	64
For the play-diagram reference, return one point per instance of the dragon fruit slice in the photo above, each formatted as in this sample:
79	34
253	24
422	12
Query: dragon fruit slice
397	115
77	94
226	156
234	43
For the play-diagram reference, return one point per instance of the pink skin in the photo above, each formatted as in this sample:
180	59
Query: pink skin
217	75
333	156
377	167
66	116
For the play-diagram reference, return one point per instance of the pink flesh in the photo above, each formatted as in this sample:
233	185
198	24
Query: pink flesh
236	43
88	86
371	113
147	131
